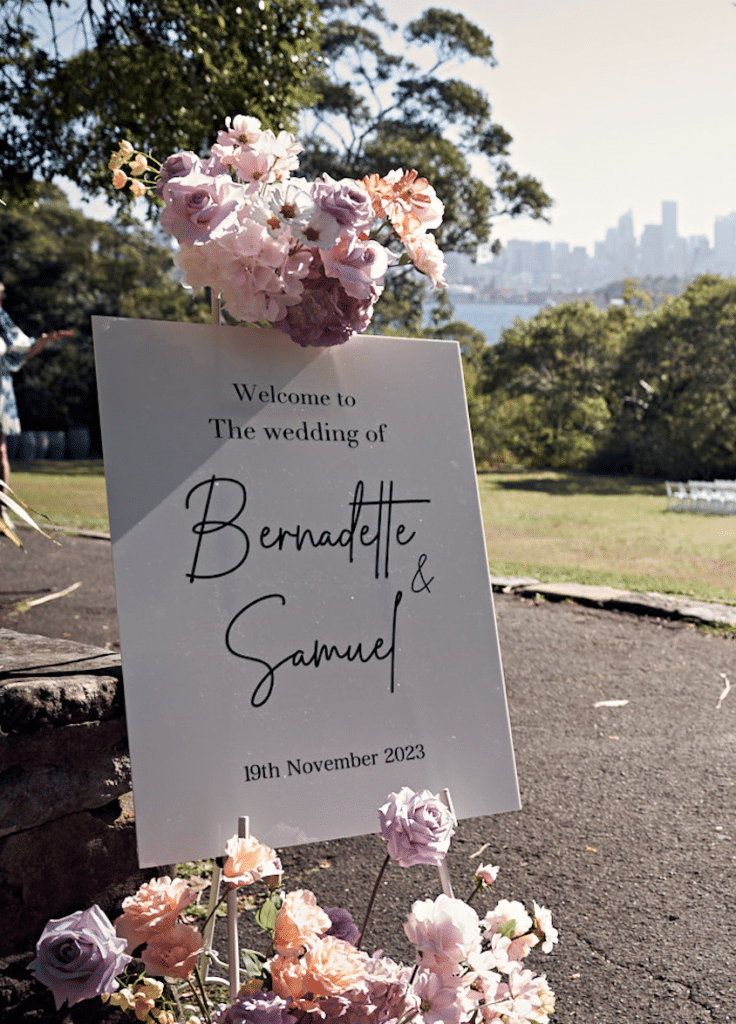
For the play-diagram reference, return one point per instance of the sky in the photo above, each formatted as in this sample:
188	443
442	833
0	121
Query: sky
614	105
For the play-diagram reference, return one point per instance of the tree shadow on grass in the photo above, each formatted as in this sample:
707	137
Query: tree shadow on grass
571	484
67	467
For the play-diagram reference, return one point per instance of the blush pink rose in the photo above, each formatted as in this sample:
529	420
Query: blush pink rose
446	931
173	954
359	266
248	861
300	922
154	908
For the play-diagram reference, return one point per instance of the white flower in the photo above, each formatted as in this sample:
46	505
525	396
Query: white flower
508	917
543	925
289	206
487	874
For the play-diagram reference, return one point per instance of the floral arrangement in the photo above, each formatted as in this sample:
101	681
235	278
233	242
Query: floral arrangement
310	258
468	969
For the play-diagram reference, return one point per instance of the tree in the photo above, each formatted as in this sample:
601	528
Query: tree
377	110
76	77
549	386
60	268
675	414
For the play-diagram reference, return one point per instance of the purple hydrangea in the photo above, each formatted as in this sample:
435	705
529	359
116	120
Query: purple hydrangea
79	957
417	827
258	1008
325	314
343	925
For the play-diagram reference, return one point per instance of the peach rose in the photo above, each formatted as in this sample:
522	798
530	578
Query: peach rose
330	967
287	977
333	966
248	861
300	922
173	954
154	908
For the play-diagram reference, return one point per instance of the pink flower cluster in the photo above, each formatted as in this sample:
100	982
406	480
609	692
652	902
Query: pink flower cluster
468	969
307	257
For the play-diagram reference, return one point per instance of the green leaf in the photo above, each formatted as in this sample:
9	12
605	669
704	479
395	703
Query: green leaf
252	963
266	915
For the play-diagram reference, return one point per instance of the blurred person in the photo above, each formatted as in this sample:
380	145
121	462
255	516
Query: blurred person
15	348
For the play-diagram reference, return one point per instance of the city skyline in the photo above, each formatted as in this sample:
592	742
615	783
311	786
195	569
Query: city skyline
659	250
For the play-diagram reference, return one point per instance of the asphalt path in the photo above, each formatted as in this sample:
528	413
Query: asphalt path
627	831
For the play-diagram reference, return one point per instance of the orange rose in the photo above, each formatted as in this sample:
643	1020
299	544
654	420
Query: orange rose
154	908
248	861
300	922
173	954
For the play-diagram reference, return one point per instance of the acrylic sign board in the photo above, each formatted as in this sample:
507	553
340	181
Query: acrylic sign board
306	616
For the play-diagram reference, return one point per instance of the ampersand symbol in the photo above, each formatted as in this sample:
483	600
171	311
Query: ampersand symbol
419	583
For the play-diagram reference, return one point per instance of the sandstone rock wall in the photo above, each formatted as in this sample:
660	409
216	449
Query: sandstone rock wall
67	836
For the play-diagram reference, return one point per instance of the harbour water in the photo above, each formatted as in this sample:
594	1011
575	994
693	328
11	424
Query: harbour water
491	317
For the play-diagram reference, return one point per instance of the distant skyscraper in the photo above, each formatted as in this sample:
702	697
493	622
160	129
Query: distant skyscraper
669	226
652	249
626	243
724	243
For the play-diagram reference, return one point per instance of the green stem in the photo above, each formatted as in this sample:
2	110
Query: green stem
474	893
201	998
214	909
372	900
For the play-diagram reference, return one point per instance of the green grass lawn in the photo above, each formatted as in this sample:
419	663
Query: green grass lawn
552	526
605	530
69	493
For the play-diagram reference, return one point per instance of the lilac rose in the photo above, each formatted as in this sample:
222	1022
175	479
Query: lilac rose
417	827
197	204
177	166
258	1008
79	957
347	201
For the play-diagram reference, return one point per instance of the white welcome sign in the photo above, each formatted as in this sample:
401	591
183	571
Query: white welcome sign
306	616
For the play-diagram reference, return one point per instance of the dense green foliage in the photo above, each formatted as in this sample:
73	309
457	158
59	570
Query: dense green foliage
77	77
377	109
676	387
627	389
60	268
